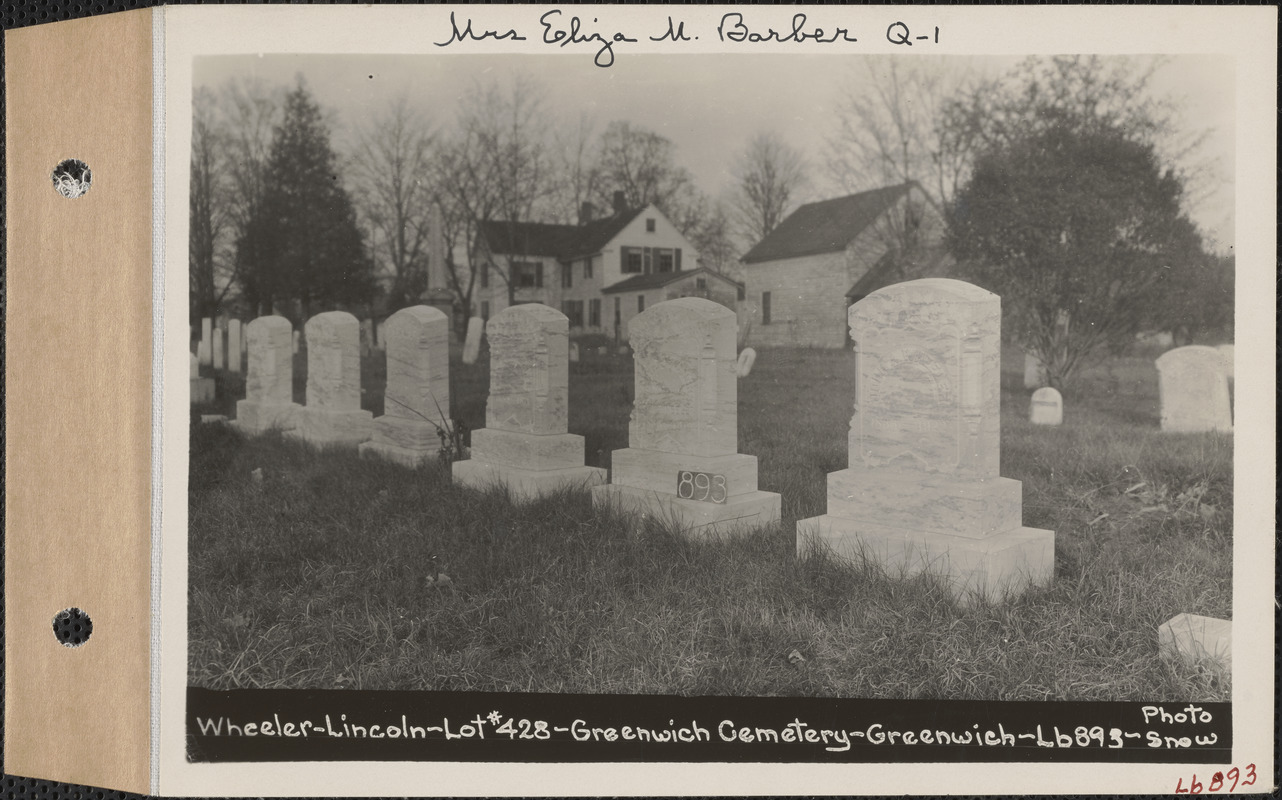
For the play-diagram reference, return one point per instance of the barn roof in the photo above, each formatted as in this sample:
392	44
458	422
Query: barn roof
827	226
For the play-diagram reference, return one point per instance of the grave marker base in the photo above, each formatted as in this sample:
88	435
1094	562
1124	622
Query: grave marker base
657	471
1005	563
202	390
412	457
739	513
320	427
967	508
254	418
524	484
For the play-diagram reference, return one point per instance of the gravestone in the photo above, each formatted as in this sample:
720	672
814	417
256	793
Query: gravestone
295	342
472	342
416	402
367	336
269	378
923	489
746	359
1194	390
682	462
574	353
380	335
204	350
202	389
333	414
220	355
525	444
1193	638
1034	372
1047	407
234	345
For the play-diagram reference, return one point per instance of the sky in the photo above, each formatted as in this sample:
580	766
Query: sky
709	105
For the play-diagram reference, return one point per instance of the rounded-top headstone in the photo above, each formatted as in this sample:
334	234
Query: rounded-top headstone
270	376
334	361
686	394
1194	390
529	370
416	341
1047	407
927	379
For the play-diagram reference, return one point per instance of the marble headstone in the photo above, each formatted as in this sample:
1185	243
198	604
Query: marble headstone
269	378
682	462
1194	390
923	489
220	355
1047	407
472	342
416	402
234	345
746	359
295	342
333	414
204	350
525	444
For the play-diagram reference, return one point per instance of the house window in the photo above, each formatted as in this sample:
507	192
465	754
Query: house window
666	260
649	226
527	274
587	268
701	283
640	303
485	310
765	308
573	309
485	276
741	292
594	312
567	276
632	259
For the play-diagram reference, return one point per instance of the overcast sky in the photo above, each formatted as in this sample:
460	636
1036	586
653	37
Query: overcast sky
708	105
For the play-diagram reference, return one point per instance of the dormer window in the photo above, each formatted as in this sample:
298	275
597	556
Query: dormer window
649	226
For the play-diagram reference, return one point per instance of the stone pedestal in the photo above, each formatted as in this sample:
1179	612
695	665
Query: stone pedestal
525	445
682	464
923	491
416	402
333	414
269	380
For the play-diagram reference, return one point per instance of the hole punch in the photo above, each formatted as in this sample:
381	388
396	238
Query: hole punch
72	627
71	178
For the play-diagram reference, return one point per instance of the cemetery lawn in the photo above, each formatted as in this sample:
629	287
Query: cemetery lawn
315	575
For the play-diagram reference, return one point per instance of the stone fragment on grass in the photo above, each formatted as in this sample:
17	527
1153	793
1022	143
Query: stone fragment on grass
1193	638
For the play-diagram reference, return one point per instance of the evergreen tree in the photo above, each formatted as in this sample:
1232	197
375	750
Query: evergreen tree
303	252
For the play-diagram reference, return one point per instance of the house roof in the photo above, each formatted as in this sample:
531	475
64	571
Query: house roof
558	241
655	280
932	262
826	226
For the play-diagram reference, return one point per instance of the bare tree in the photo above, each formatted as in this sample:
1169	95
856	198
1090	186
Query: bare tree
208	202
770	174
392	170
577	168
641	164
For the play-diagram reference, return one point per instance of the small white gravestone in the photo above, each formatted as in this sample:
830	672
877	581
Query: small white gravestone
1034	372
220	355
234	345
269	378
416	402
746	359
1194	390
295	341
204	350
333	414
1047	407
525	444
1193	638
202	389
472	342
682	461
923	490
574	353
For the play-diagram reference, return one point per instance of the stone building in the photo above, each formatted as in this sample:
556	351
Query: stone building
825	256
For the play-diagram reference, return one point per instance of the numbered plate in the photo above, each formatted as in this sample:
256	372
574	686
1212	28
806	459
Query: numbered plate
704	487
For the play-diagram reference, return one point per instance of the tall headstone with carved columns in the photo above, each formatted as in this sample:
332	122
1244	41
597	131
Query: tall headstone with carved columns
923	489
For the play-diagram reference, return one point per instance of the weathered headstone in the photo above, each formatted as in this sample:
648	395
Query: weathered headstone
1034	372
416	402
234	345
204	350
1047	407
333	414
1193	638
220	355
525	444
472	342
574	353
746	359
1194	390
269	378
202	389
923	490
682	461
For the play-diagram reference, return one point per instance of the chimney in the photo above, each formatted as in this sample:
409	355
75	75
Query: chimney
620	202
585	213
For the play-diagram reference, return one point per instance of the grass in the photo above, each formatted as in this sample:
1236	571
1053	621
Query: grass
315	576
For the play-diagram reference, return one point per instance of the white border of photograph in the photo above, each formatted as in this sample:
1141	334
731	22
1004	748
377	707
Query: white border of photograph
1248	34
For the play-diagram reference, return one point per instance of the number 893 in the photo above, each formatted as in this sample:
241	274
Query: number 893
701	486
